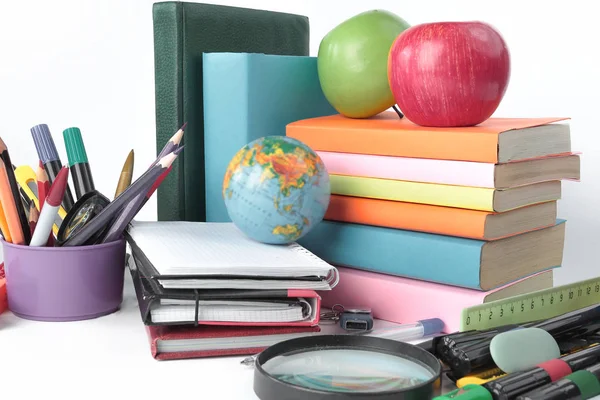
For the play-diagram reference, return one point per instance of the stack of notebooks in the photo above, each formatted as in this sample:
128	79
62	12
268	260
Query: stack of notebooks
424	222
205	289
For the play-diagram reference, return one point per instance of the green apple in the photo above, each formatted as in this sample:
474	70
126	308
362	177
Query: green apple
352	63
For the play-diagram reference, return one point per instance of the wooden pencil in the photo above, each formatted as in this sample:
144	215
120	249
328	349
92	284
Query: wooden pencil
112	209
172	143
126	174
10	208
34	215
14	188
43	184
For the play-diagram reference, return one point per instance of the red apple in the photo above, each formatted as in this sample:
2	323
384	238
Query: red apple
449	74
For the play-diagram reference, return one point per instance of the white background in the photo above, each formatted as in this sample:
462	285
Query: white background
90	64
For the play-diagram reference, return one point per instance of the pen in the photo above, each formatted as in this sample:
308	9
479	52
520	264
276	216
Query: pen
78	162
400	333
48	214
126	174
46	149
469	392
579	385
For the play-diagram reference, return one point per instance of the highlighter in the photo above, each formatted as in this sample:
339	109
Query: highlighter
469	392
512	385
580	385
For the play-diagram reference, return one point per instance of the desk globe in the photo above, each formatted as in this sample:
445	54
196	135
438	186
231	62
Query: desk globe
276	189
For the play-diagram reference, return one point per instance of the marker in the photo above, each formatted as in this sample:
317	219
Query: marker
469	392
512	385
580	385
78	162
44	144
14	188
110	211
126	174
50	210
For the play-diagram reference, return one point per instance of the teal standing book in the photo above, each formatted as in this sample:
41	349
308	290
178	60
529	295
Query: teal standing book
249	96
469	263
183	31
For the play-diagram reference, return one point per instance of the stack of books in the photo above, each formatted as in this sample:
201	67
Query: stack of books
424	222
205	289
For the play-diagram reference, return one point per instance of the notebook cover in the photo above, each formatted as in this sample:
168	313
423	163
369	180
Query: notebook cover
427	218
249	96
424	256
386	135
182	32
404	300
156	333
148	292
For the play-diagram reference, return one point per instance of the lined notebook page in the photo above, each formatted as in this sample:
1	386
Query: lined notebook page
211	248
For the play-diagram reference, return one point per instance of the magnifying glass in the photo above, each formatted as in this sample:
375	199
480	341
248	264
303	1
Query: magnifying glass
346	367
83	211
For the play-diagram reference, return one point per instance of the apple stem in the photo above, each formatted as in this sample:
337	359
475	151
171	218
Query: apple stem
400	115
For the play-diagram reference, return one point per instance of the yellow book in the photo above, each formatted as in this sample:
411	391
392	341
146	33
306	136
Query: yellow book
473	198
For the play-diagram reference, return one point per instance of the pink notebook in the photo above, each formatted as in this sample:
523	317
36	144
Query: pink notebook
403	300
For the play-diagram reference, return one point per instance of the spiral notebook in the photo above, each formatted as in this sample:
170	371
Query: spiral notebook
159	306
213	255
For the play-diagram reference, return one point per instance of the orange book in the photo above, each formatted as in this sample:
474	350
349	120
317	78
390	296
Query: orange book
439	220
497	140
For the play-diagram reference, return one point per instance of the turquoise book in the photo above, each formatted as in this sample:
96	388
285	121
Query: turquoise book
248	96
468	263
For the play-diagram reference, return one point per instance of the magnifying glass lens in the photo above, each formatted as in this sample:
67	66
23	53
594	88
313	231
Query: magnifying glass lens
348	370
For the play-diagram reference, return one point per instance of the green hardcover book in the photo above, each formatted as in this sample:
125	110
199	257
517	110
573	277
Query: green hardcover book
182	33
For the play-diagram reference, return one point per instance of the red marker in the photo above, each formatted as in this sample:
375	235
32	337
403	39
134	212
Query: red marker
50	209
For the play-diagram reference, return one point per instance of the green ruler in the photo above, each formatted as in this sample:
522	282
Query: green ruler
532	306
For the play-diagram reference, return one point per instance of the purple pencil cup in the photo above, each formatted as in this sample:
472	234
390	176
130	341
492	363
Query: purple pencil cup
64	283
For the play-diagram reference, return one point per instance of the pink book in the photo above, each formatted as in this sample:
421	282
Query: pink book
403	300
448	172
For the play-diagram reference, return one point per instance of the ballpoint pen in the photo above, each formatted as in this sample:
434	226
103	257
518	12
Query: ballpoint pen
401	333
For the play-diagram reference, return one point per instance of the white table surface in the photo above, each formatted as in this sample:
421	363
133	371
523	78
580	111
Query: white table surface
108	357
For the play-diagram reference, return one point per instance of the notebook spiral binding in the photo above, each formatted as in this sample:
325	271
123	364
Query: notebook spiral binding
333	278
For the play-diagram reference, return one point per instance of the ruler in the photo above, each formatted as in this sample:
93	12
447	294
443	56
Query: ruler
534	306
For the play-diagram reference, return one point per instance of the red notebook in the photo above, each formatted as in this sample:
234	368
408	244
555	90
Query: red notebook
179	342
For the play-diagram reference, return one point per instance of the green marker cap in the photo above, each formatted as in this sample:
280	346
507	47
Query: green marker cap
75	148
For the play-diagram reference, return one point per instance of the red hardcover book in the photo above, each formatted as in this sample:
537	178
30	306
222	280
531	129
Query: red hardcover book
180	342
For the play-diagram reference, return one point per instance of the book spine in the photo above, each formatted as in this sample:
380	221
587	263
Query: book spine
472	198
435	258
226	78
445	172
168	66
409	216
383	294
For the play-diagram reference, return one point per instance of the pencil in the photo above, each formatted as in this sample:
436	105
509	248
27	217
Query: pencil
43	184
10	208
110	211
34	215
122	221
126	174
52	204
46	149
172	143
4	225
14	188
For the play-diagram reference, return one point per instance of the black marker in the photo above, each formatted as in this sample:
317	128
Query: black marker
78	162
580	385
